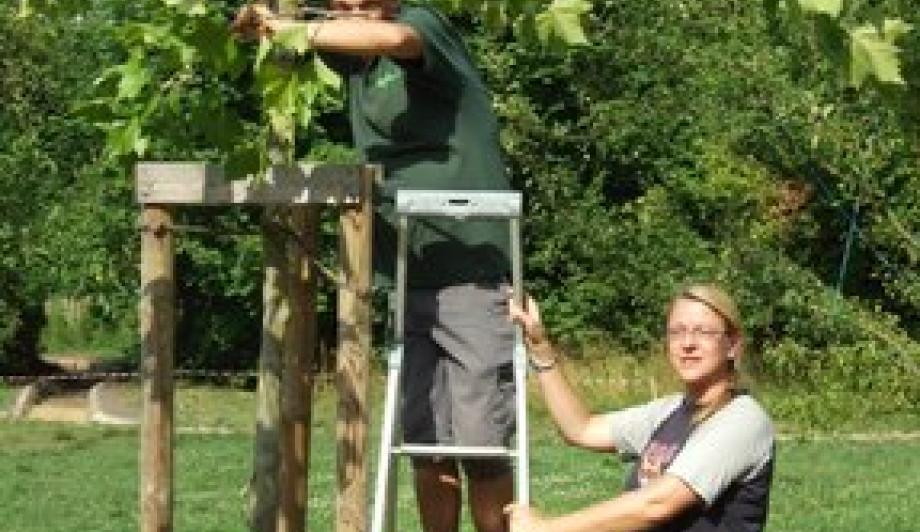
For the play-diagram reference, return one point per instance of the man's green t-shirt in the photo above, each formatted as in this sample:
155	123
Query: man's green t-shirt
430	123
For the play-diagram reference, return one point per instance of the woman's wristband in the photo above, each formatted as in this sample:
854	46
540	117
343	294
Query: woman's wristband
542	367
546	358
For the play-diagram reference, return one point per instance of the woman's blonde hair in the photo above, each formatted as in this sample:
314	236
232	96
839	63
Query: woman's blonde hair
715	298
722	304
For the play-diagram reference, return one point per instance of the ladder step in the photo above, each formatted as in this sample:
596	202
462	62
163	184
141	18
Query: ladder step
454	450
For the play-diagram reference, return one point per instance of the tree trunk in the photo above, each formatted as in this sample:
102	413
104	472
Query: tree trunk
296	380
276	313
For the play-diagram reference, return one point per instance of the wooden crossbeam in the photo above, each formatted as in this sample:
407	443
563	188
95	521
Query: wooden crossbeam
195	183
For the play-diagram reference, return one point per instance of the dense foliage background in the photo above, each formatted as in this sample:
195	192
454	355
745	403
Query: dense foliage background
688	141
700	141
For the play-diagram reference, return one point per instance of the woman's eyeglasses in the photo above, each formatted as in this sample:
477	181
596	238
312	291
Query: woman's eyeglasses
696	333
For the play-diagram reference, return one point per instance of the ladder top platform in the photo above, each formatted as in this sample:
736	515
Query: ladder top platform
459	203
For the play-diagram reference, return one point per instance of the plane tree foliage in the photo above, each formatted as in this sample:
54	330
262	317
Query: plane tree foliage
175	84
770	146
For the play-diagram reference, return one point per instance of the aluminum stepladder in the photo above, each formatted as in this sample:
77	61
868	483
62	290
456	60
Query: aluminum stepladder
462	205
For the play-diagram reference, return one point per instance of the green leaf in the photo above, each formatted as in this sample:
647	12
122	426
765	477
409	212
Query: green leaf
326	75
279	89
494	15
872	54
294	38
894	29
826	7
154	35
562	21
125	138
211	41
96	110
282	124
233	60
556	22
274	85
187	54
25	10
543	27
244	158
134	77
305	114
107	77
265	46
140	145
525	28
194	8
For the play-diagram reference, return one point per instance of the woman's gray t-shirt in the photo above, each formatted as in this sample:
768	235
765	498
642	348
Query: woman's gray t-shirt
727	460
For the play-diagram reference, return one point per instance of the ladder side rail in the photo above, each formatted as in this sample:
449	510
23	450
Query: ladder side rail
520	368
383	516
402	246
385	465
399	321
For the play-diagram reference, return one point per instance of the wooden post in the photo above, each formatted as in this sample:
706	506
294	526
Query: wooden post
296	377
276	313
267	512
354	351
157	328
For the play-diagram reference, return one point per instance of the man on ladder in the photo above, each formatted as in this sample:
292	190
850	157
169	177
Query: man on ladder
419	107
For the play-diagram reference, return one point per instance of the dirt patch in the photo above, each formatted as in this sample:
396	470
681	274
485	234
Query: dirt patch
114	403
70	393
70	406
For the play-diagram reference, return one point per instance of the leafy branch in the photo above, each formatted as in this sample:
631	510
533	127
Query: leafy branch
186	76
866	50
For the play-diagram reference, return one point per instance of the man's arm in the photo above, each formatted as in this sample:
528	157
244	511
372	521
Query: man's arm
660	501
365	38
352	36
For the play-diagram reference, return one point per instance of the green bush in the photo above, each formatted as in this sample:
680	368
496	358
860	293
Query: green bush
42	72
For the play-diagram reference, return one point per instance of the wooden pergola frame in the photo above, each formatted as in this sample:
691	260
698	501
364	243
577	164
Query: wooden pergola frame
291	194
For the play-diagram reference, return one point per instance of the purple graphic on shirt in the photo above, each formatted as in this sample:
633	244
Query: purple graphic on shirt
656	457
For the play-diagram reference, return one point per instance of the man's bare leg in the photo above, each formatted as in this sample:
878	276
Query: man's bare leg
488	498
437	490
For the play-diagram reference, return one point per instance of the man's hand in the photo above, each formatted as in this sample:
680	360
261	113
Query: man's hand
253	21
523	518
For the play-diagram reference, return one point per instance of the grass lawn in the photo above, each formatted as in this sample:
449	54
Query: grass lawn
6	396
76	478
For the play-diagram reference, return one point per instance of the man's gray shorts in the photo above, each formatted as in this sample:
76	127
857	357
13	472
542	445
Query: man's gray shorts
458	383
